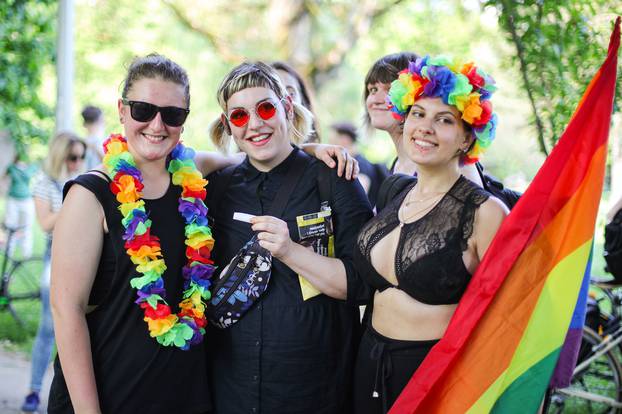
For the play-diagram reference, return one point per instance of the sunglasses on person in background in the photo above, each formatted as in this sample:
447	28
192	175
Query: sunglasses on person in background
264	110
74	158
145	112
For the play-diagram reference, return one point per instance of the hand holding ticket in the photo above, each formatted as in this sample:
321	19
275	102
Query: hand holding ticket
243	217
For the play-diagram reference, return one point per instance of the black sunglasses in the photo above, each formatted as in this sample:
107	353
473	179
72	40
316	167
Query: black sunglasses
145	112
74	158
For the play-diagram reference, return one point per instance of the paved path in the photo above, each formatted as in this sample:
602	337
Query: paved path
14	381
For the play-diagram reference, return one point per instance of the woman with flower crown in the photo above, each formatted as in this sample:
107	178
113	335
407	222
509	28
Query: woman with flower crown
378	117
131	262
419	252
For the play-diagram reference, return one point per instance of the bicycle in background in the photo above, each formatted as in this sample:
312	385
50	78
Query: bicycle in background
597	379
19	285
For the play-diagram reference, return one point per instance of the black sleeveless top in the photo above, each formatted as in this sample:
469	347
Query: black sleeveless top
132	371
428	258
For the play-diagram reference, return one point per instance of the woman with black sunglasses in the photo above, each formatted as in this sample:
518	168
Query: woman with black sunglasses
132	242
112	361
293	350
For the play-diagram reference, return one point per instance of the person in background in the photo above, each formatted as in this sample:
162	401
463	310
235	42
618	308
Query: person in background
377	114
93	122
617	206
300	93
65	160
371	175
19	210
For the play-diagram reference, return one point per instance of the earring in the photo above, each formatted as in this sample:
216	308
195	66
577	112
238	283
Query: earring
182	130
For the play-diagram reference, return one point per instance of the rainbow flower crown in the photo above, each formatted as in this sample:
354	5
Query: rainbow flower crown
464	86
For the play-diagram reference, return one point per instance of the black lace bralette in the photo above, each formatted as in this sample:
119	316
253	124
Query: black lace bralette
428	259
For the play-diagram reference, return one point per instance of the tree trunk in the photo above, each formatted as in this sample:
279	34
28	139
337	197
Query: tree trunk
64	66
7	153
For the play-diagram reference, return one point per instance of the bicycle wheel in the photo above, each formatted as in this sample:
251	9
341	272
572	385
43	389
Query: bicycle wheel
22	292
597	389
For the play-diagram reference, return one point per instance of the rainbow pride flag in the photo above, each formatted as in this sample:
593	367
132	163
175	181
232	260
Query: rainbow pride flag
507	333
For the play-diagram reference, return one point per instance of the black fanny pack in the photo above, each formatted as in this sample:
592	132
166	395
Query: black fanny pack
248	274
240	285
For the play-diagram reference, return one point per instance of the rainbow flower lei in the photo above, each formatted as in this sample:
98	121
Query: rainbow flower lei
187	327
464	86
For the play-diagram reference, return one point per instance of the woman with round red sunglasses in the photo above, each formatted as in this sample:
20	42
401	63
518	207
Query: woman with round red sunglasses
131	243
293	350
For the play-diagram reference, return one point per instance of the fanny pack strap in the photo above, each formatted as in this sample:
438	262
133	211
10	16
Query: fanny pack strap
285	190
325	185
277	207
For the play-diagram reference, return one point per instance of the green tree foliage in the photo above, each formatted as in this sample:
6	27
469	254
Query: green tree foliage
27	30
331	43
559	45
315	36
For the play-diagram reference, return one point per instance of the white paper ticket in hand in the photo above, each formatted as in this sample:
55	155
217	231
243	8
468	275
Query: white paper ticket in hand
243	217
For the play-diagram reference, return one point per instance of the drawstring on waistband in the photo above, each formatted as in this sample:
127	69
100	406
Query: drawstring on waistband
384	369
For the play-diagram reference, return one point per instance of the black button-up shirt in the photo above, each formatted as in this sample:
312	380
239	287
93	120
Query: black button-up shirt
286	355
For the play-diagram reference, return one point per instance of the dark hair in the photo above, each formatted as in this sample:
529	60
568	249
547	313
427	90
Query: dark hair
386	70
345	128
306	97
304	91
91	114
156	66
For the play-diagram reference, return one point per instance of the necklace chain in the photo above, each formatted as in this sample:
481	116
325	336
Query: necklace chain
432	195
402	211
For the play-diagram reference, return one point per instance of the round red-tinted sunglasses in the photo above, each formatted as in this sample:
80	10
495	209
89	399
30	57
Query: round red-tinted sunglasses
240	116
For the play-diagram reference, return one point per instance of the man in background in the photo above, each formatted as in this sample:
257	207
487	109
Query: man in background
95	135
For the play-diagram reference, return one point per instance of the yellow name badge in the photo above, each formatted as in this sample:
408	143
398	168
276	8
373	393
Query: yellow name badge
315	231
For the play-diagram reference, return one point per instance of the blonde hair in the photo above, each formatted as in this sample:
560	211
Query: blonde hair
60	147
253	75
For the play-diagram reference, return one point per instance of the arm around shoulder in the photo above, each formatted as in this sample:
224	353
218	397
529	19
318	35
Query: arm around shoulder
488	219
351	210
208	162
75	257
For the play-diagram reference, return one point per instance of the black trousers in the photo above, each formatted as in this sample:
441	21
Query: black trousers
383	368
